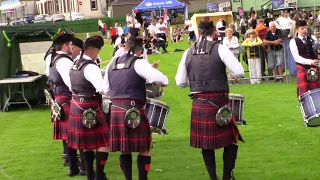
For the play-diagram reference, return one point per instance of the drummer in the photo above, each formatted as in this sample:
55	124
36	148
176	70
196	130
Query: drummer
126	78
133	32
301	49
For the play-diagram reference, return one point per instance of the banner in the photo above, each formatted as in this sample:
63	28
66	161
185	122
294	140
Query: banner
218	7
283	4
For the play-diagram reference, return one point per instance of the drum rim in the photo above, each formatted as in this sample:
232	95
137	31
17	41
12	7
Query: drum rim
157	102
236	95
309	93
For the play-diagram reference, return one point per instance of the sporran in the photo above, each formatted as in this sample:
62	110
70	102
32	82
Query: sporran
224	116
89	118
312	75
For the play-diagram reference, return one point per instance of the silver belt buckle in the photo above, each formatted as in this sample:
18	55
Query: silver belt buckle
81	100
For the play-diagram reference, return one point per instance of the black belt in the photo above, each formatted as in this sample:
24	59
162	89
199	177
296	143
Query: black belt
224	95
85	99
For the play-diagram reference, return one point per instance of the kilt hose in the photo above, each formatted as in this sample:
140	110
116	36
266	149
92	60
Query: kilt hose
123	138
60	130
303	85
205	133
81	137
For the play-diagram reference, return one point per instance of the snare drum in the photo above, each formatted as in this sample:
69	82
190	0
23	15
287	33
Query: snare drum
310	107
154	90
236	101
157	113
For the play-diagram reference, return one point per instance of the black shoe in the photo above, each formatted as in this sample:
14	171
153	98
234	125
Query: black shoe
103	178
277	80
280	79
82	173
71	174
66	164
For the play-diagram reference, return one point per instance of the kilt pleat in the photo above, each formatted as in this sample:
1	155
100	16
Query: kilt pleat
125	139
303	85
60	128
204	132
81	137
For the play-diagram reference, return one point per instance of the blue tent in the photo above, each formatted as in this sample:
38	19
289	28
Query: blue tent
149	5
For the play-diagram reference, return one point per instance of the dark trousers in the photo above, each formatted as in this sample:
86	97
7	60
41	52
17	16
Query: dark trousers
263	57
113	39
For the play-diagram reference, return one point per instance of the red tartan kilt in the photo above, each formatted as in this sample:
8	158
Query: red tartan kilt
205	133
125	139
60	130
81	137
303	85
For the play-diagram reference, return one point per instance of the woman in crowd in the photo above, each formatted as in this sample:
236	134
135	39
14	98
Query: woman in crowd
232	42
252	50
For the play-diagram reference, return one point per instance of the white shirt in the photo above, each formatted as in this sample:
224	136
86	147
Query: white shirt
226	56
137	25
48	61
151	28
92	73
63	67
144	70
285	23
189	24
295	52
118	41
234	43
219	25
120	31
129	18
121	51
158	26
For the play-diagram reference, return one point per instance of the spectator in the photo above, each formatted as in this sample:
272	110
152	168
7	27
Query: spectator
221	27
243	25
192	35
251	44
261	31
114	35
273	38
125	30
234	32
152	27
119	30
232	42
176	35
268	19
128	18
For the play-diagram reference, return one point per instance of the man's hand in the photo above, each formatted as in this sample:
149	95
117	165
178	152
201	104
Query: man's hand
315	62
155	64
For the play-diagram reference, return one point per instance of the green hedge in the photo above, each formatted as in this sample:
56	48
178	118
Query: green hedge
89	25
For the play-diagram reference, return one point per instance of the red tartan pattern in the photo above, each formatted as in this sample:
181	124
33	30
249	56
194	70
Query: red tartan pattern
81	137
125	139
60	130
303	85
204	132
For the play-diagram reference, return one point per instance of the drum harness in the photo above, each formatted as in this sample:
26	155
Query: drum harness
224	114
133	116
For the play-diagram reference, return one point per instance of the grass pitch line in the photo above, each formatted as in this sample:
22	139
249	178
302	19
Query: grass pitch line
2	170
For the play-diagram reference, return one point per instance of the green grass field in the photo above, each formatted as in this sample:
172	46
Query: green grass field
278	146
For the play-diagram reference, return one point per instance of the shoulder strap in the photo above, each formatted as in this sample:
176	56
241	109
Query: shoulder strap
130	59
80	63
59	56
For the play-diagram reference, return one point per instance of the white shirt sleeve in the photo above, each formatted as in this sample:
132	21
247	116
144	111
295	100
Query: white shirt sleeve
181	76
295	53
106	85
119	52
63	67
93	74
48	60
149	73
230	61
118	41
